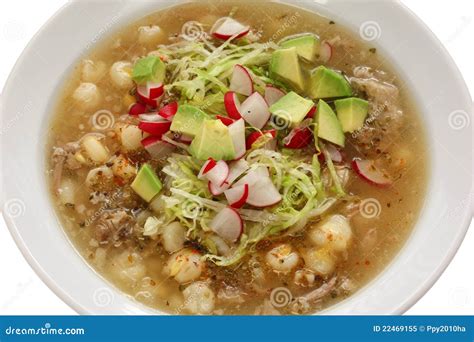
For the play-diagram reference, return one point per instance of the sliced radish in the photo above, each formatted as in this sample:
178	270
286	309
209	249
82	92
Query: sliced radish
232	105
325	52
311	113
217	190
298	138
155	128
150	93
227	224
273	94
366	170
237	134
169	110
208	166
263	193
237	169
225	120
137	109
237	196
255	111
241	81
226	27
157	147
336	155
217	174
253	176
253	137
152	117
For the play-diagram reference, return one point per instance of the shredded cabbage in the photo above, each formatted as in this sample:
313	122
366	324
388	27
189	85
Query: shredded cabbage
198	73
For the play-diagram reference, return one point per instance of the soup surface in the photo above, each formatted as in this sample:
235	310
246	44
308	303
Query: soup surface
228	158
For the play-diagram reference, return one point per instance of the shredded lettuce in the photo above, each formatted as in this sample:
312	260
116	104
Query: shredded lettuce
298	179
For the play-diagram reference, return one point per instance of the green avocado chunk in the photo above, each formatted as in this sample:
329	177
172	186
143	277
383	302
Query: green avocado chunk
147	184
328	126
352	113
307	45
327	83
213	141
188	120
150	68
292	108
285	66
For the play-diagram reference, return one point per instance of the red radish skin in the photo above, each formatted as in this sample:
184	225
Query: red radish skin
155	128
155	90
225	120
218	174
228	224
208	166
299	138
254	110
253	137
232	105
226	28
237	196
169	110
273	94
216	190
156	147
241	82
311	113
237	134
137	109
325	52
368	172
150	93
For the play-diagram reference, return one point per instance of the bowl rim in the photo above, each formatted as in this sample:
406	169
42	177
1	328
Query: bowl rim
410	299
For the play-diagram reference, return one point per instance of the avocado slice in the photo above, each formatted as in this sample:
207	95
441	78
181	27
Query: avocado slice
292	108
147	184
327	83
328	126
352	113
307	45
213	141
150	68
285	66
188	120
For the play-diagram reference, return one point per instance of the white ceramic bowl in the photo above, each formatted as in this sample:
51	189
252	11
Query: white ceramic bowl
419	58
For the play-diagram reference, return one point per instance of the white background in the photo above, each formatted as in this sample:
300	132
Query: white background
22	292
